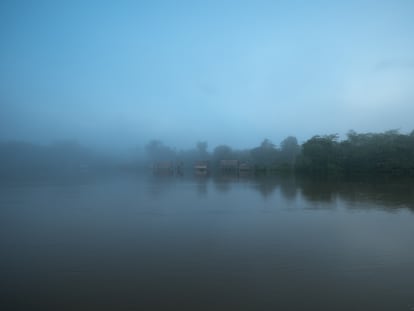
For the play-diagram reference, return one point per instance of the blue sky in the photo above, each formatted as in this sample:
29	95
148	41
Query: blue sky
118	73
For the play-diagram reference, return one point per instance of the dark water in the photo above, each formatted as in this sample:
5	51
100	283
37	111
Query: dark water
223	243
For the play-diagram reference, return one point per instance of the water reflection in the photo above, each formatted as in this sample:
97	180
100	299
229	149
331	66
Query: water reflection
220	242
288	188
223	182
318	190
380	193
201	182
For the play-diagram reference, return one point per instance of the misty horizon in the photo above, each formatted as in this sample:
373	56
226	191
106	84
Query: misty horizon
206	155
115	75
138	148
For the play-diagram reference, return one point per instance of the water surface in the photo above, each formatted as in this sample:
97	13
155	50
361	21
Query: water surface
142	242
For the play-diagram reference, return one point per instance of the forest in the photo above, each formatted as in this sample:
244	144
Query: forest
389	152
359	153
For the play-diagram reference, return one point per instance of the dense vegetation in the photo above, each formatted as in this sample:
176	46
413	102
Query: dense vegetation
265	157
359	153
389	152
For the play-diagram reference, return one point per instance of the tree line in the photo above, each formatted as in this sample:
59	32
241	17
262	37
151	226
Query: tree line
390	152
359	153
266	156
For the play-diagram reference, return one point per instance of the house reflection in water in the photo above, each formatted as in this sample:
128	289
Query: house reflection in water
201	168
245	169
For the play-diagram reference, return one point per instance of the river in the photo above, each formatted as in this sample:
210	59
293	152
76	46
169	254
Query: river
144	242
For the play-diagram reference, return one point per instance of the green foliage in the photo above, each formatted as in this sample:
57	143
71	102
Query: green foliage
321	153
359	153
388	152
222	152
265	155
289	151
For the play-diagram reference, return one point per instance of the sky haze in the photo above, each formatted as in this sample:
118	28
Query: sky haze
119	73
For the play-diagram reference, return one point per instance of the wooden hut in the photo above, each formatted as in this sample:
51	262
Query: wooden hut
201	167
244	167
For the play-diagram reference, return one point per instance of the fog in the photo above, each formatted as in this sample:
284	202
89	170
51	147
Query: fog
206	155
114	76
